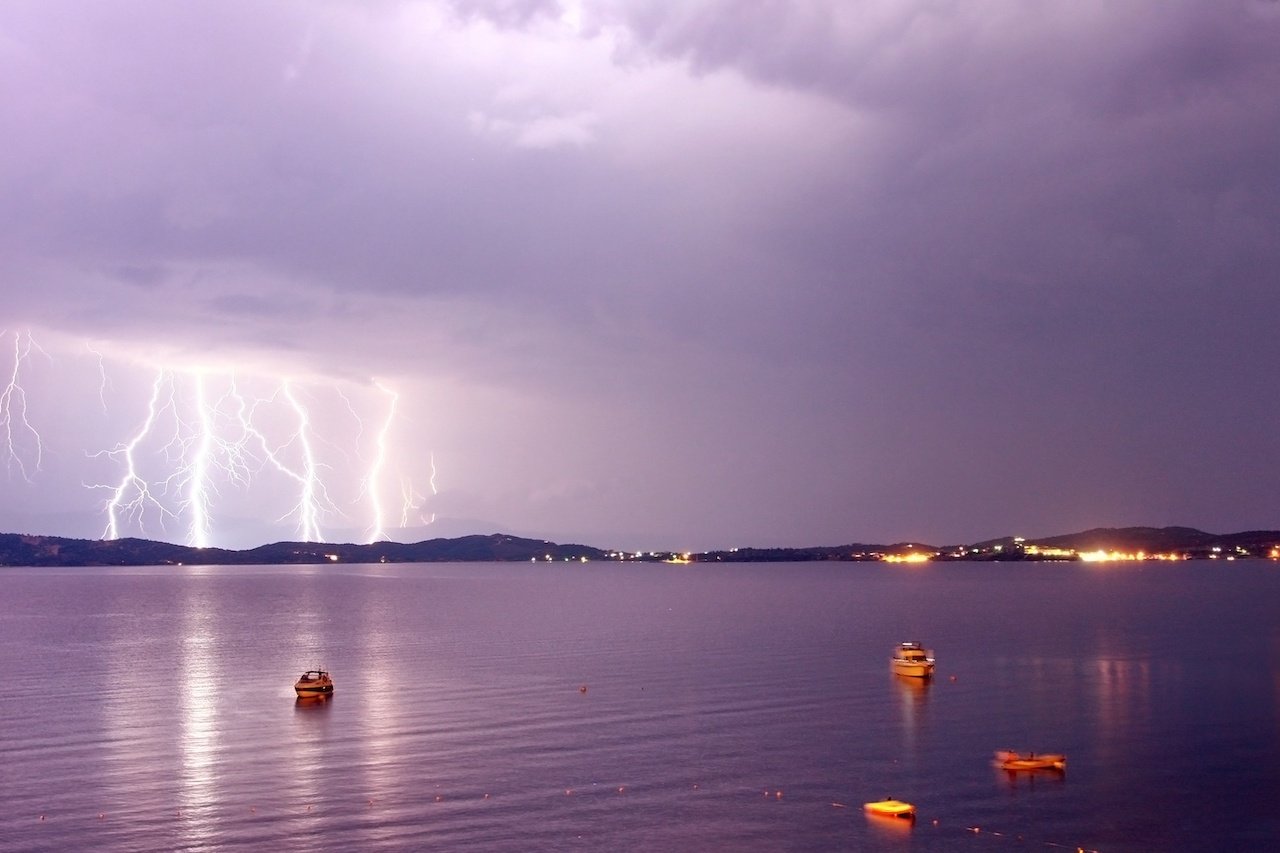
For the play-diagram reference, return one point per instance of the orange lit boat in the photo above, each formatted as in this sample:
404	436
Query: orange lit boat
913	660
314	682
1007	759
891	808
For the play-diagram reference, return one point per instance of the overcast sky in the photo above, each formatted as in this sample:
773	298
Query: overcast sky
638	274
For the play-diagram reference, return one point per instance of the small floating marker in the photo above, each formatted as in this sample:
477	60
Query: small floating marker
101	815
582	689
486	796
439	798
953	678
695	786
622	789
42	817
777	795
308	808
568	792
371	802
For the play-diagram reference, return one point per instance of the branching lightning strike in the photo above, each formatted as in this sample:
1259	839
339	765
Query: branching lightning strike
198	434
14	425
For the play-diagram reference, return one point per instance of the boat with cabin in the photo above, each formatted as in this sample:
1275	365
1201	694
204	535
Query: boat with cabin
913	660
314	682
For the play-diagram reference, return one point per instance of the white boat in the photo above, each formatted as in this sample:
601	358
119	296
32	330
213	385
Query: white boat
913	660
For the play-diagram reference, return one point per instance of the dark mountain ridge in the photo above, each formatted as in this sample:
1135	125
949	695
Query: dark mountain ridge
1180	542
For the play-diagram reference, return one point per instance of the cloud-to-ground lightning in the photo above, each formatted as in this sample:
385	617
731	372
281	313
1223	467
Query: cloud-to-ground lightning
132	496
200	437
308	507
14	424
198	485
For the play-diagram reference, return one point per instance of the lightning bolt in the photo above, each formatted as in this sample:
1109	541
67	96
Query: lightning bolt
13	412
373	481
308	507
198	486
207	433
132	495
103	382
411	498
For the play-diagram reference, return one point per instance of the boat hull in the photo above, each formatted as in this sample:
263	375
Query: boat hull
1014	761
912	669
313	691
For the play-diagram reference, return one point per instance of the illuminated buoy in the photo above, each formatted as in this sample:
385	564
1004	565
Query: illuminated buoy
486	796
439	798
621	788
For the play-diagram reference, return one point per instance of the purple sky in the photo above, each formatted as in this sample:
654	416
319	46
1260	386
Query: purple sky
639	274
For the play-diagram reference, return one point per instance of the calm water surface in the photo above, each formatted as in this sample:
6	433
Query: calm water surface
727	708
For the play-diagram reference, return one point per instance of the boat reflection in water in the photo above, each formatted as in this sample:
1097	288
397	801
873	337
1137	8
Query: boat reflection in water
313	703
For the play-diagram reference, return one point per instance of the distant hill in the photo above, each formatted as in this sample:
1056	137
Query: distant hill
1164	540
22	550
1184	542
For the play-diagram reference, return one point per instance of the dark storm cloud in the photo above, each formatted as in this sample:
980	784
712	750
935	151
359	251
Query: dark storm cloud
1021	253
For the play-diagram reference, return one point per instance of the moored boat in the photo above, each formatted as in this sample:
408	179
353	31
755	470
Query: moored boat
913	660
890	807
1007	759
314	682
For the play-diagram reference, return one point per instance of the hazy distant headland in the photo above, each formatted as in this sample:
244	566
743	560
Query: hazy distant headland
1099	544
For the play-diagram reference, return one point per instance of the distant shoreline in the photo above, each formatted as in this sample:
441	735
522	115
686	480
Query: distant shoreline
1097	545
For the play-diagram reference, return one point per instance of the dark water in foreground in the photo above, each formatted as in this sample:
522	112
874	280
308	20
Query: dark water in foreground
728	708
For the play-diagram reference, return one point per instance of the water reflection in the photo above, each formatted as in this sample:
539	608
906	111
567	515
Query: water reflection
913	702
887	827
198	683
312	703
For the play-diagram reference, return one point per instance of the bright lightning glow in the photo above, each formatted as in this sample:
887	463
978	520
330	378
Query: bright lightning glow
201	435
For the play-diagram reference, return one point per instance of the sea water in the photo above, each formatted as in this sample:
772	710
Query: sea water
614	707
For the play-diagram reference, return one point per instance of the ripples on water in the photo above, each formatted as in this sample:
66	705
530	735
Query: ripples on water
728	708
